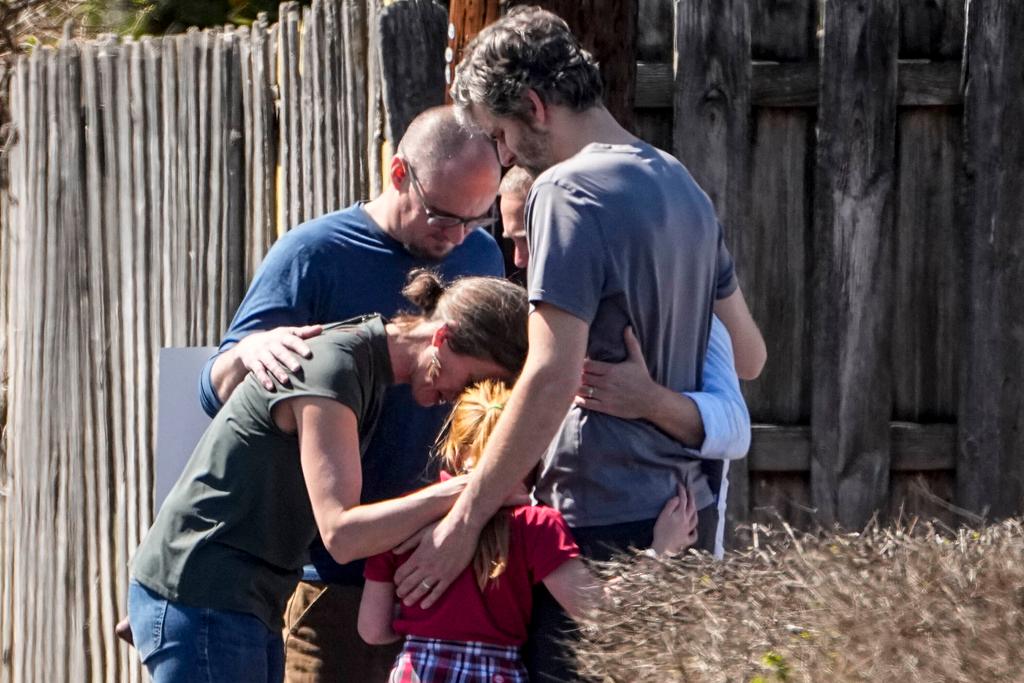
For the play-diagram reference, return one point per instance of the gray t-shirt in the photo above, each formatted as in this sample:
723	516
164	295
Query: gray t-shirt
235	530
622	235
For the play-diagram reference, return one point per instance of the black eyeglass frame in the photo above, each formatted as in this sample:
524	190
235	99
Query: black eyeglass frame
443	219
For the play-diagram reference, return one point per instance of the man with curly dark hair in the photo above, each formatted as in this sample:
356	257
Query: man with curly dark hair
620	236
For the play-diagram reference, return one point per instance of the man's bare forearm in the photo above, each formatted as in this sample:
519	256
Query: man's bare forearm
532	416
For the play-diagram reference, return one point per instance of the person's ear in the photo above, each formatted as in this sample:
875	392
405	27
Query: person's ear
538	111
440	334
398	172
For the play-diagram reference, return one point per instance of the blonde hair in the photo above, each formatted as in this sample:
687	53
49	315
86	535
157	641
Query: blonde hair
459	447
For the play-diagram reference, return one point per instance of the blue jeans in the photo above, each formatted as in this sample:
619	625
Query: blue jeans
186	644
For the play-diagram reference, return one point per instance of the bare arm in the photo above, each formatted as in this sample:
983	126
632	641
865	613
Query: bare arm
377	613
747	342
273	352
329	448
529	422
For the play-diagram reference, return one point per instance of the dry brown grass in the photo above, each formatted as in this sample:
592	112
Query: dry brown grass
909	604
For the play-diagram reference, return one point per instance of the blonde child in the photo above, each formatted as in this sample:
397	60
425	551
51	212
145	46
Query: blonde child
473	633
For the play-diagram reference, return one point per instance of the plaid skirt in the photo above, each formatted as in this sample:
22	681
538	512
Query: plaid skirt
428	660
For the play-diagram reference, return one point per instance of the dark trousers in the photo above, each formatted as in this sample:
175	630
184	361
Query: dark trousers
548	650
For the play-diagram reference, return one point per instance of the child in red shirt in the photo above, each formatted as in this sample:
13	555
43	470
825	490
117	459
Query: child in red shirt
474	631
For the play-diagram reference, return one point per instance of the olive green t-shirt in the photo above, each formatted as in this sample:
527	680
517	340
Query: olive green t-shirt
235	530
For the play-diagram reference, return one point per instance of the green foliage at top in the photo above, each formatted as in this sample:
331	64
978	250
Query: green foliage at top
159	17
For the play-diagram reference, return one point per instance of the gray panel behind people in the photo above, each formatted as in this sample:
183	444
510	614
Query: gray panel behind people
180	420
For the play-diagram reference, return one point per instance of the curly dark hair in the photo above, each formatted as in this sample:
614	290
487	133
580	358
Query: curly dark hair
530	48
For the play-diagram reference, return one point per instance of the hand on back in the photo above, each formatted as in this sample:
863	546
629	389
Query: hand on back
275	352
676	527
619	389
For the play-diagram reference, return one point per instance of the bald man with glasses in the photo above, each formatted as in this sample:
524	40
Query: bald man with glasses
339	266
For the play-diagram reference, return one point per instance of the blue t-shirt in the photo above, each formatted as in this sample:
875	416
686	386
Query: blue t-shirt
337	267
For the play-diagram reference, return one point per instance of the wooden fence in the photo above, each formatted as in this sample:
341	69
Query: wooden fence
863	158
147	181
870	180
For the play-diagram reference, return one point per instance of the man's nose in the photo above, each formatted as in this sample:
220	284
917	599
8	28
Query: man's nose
456	234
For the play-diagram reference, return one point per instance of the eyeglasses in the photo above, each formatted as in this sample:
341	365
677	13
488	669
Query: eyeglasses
441	219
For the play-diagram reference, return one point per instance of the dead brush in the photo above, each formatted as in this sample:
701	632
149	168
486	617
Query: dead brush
904	604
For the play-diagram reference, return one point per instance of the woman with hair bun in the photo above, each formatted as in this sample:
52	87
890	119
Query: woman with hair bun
211	578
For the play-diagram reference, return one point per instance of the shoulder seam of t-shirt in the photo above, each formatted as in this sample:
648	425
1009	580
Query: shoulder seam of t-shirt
569	187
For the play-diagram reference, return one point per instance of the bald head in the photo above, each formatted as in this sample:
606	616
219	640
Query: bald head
513	190
443	181
438	142
516	183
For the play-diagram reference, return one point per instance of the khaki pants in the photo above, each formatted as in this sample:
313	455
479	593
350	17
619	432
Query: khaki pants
321	642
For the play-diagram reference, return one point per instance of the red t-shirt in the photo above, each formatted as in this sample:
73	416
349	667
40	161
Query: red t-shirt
539	542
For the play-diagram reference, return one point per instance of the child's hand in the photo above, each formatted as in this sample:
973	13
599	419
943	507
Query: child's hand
676	528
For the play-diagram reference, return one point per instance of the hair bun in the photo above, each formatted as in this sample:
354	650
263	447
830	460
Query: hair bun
423	288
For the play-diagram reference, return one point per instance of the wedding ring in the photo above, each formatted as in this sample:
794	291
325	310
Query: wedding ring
426	586
590	392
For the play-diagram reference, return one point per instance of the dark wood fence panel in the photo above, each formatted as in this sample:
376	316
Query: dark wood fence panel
921	350
929	239
773	250
712	108
990	469
931	29
854	219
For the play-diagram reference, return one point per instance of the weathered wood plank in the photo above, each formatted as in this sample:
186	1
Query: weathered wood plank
772	265
712	109
783	31
333	86
796	84
413	76
927	291
317	63
654	29
103	600
231	222
855	197
915	448
357	21
990	469
50	315
112	467
308	134
291	115
136	251
932	29
260	135
925	84
374	121
15	205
